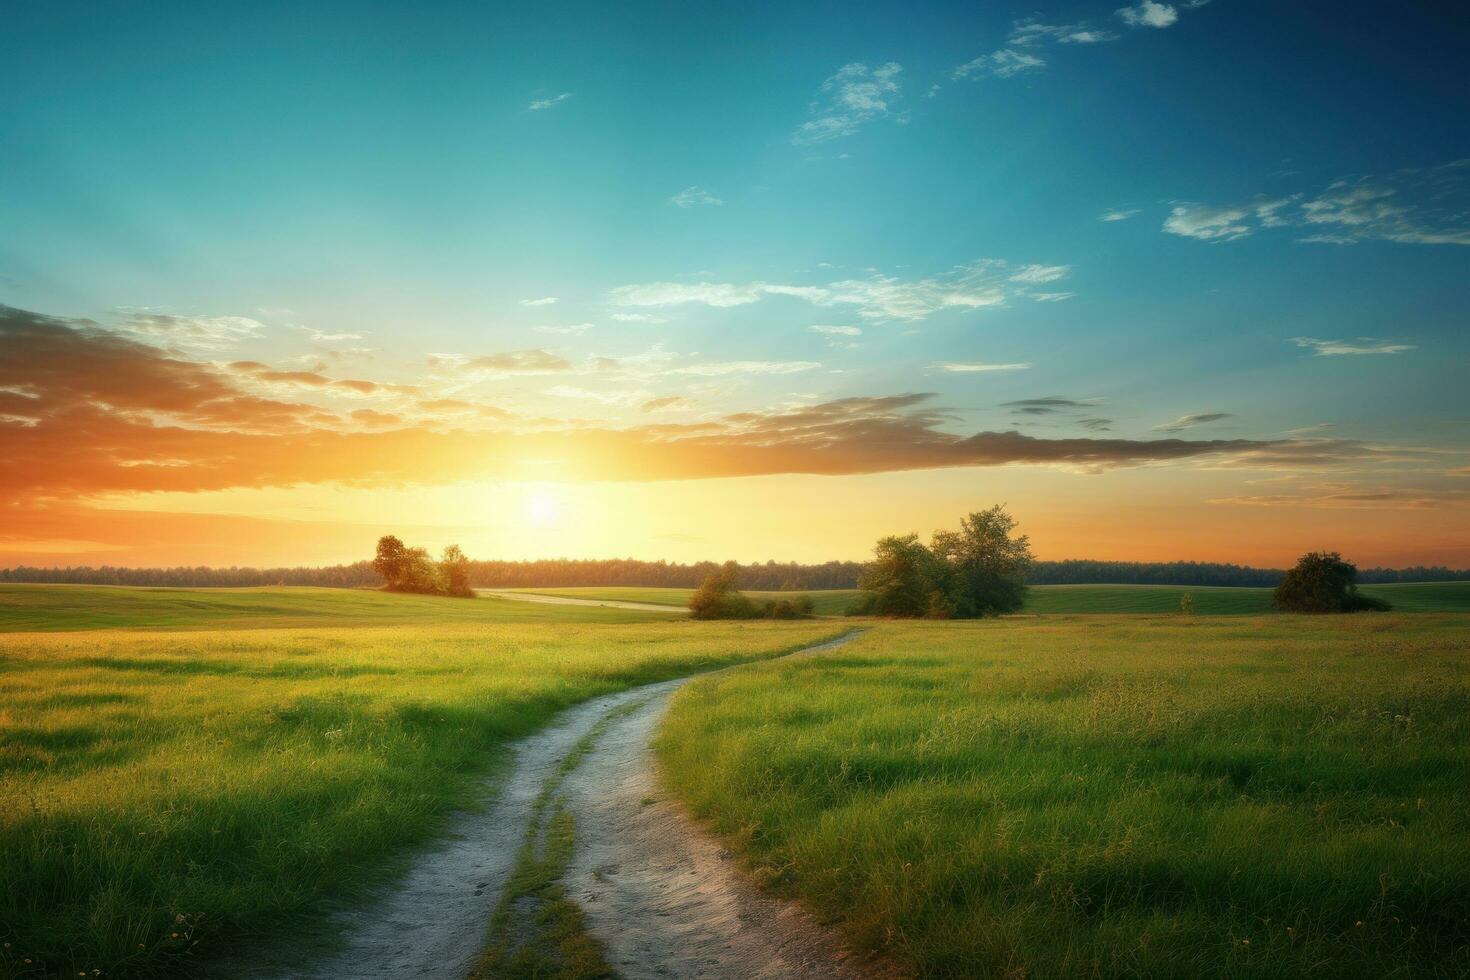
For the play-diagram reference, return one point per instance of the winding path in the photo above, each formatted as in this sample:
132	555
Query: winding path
663	898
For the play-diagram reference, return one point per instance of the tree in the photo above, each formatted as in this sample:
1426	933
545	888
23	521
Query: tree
904	579
392	561
719	597
454	571
1322	582
989	564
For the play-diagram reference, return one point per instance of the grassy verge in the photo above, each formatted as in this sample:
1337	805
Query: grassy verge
1265	797
166	794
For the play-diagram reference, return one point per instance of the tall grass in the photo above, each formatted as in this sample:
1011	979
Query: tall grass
1265	797
166	796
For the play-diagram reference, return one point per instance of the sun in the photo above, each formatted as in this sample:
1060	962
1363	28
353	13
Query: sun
542	507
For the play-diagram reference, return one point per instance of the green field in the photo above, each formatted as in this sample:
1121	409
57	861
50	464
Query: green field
1086	599
1244	797
47	608
165	795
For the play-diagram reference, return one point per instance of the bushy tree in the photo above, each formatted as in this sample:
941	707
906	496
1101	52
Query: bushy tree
720	598
979	570
454	570
1322	582
391	561
989	565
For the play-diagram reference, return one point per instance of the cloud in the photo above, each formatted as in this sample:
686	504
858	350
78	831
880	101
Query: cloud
1422	206
192	332
537	105
1147	13
543	301
573	329
715	369
980	284
667	403
836	331
532	361
1032	31
849	99
99	413
1361	345
321	337
1207	223
1045	406
695	196
1117	214
1189	421
975	367
1051	297
638	318
1002	64
1354	496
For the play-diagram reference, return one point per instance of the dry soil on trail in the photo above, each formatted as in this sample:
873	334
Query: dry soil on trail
663	898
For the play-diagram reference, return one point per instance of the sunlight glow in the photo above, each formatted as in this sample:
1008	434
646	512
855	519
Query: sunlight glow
542	506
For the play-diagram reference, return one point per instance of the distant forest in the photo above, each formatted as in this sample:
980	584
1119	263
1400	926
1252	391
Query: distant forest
769	575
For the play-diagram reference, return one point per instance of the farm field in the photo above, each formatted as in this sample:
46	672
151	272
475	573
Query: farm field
1085	599
1237	797
166	794
47	608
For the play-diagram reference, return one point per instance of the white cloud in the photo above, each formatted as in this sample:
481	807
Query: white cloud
1361	345
1003	64
1087	37
1040	273
976	367
543	301
539	104
853	96
837	331
574	329
1051	297
980	284
203	333
1423	206
638	318
1117	214
1190	421
716	369
1208	223
692	196
1147	13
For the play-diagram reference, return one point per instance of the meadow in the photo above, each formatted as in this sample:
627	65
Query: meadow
1184	796
1084	599
168	795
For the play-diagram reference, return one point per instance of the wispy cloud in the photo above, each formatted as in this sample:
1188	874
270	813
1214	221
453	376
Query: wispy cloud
1190	421
855	95
1147	13
980	284
532	361
569	329
667	403
638	318
1360	345
695	196
975	367
1423	206
537	105
1032	31
717	369
1117	214
836	331
204	333
543	301
1002	64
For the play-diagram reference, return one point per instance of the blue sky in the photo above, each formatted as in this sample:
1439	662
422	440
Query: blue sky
380	188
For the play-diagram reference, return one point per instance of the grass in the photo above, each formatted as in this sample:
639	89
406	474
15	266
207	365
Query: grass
1087	599
1232	797
52	608
166	796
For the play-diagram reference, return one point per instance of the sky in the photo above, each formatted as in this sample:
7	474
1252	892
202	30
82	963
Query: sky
733	280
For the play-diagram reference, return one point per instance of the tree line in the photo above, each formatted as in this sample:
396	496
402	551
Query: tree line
760	576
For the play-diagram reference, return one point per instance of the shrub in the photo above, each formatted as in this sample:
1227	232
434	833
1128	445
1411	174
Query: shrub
1322	582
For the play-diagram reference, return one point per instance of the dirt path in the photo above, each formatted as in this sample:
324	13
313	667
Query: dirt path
661	896
665	899
561	600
